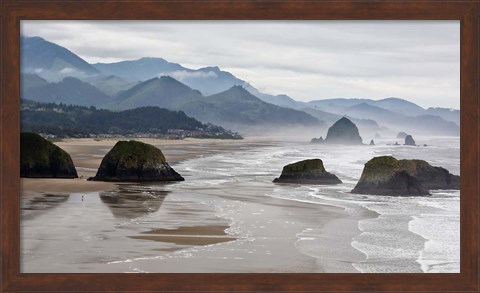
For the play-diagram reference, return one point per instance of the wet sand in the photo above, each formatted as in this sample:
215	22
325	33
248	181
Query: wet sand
87	154
100	227
194	235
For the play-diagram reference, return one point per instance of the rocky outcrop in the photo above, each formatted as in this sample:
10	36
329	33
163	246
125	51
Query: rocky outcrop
317	140
388	176
307	172
401	135
40	158
409	140
134	161
429	176
372	142
343	131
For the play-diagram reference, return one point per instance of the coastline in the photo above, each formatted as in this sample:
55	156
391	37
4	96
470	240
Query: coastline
191	231
87	154
270	236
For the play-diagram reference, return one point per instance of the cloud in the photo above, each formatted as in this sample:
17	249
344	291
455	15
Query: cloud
415	60
67	70
183	74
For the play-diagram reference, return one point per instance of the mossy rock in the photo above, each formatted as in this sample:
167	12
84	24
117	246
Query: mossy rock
429	176
343	131
134	161
386	175
40	158
307	172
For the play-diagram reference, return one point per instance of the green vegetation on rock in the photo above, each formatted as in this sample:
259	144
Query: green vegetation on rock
40	158
380	167
135	161
307	171
386	175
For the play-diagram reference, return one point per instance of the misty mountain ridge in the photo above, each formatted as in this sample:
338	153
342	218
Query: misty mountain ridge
138	70
51	61
31	80
164	92
382	108
421	124
110	85
330	118
137	83
234	106
68	91
208	80
248	109
448	114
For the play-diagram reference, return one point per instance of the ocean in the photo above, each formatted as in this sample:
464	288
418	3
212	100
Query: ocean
399	235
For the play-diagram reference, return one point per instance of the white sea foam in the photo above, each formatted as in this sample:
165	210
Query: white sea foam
410	234
405	236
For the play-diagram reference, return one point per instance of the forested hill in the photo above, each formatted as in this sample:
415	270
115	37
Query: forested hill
77	121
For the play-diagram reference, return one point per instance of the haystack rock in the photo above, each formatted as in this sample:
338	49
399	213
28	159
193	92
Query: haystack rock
388	176
307	172
409	140
40	158
134	161
343	131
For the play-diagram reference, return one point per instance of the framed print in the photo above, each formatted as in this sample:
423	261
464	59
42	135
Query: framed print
239	146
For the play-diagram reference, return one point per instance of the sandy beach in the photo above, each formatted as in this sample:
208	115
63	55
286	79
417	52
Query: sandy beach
229	217
185	221
87	154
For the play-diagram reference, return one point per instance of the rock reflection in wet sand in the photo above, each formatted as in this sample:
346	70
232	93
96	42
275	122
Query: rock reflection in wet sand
41	203
130	202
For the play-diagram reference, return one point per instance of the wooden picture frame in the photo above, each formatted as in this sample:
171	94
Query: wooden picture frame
12	12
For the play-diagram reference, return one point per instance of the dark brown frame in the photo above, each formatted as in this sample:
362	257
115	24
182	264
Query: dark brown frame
12	12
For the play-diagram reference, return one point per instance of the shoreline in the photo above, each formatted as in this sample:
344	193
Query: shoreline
184	228
87	154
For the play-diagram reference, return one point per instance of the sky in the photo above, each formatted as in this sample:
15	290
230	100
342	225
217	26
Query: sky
308	60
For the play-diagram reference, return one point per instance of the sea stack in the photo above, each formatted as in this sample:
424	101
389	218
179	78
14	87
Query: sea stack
343	131
401	135
40	158
307	172
409	140
317	140
372	142
134	161
386	175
